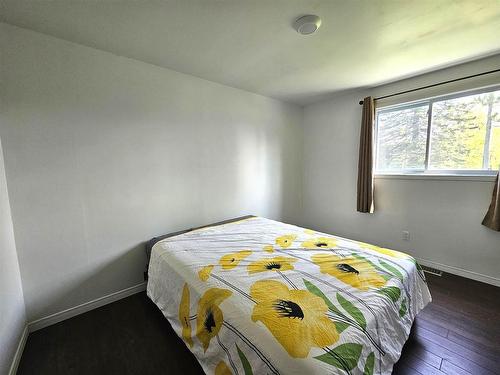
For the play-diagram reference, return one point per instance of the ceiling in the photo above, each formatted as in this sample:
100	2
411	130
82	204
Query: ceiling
252	45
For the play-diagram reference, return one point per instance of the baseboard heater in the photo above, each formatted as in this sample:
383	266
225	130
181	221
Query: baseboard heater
433	271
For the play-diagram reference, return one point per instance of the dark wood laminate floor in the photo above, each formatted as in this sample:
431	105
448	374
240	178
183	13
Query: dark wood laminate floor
459	333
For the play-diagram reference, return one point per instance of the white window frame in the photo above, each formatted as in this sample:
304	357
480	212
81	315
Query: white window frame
460	174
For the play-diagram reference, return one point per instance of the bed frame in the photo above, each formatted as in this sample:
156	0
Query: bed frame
149	245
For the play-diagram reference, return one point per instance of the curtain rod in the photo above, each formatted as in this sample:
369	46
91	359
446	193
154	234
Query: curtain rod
434	85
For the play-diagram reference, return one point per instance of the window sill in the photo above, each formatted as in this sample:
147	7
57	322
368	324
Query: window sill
436	177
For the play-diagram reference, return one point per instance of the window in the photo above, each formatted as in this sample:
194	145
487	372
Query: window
454	134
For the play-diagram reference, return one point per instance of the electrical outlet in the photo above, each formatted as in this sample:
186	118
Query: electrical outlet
406	235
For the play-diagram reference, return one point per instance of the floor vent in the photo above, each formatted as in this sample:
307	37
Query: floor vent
433	271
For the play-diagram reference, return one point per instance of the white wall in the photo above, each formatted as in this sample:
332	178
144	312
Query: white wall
443	217
104	152
12	312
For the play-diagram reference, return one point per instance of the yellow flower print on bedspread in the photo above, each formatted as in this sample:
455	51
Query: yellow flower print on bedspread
205	272
209	317
184	316
320	243
272	264
231	260
285	240
268	248
222	369
296	318
383	250
355	272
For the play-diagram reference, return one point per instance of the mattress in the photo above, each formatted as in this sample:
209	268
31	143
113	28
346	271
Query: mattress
257	296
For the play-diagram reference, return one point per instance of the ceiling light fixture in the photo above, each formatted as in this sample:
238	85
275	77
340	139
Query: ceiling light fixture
307	25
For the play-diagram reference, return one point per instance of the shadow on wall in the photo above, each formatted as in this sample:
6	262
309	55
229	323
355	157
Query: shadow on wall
94	281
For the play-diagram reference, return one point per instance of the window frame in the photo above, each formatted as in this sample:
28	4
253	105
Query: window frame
467	174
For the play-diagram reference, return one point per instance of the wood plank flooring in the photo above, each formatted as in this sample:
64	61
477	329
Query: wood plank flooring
457	334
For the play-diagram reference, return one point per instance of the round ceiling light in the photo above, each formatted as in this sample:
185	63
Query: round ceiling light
307	25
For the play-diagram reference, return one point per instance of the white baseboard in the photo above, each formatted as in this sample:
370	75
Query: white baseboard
460	272
84	307
19	351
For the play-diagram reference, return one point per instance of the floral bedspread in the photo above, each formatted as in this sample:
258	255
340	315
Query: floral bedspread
262	297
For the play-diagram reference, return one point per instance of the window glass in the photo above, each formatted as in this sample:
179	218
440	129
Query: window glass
495	135
464	134
401	138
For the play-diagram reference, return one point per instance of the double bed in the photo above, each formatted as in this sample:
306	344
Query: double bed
257	296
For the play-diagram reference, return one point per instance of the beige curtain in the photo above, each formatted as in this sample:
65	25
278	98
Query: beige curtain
492	218
365	163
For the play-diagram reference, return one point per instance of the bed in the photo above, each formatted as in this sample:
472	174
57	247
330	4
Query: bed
257	296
